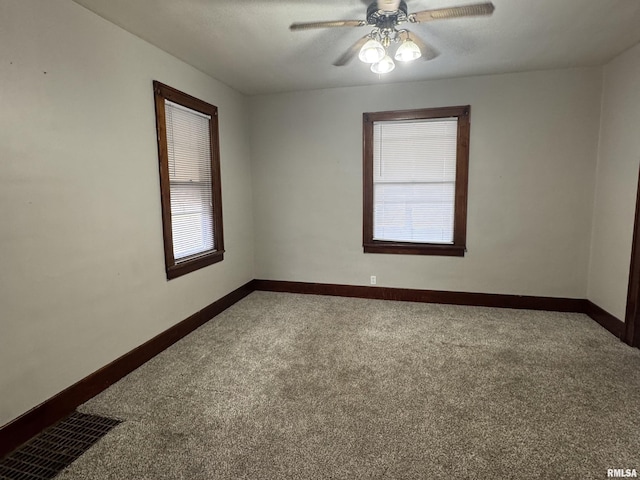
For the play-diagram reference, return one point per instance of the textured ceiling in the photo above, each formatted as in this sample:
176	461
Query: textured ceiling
247	43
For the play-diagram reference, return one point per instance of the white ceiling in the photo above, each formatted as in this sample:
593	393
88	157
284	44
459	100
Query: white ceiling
247	43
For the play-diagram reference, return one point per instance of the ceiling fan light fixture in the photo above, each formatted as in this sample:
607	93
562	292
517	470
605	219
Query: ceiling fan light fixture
385	16
372	52
408	51
385	65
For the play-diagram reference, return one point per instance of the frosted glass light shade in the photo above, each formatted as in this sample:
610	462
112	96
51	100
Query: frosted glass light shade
408	51
383	66
371	52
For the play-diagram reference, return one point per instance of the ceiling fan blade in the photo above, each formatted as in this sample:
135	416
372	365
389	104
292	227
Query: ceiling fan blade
336	23
475	10
353	50
428	52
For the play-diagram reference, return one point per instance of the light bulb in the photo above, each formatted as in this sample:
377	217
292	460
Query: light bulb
371	52
383	66
408	51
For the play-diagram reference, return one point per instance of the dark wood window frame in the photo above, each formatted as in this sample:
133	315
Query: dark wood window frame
458	248
183	266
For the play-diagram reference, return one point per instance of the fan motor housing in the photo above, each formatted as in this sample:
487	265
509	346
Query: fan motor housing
382	19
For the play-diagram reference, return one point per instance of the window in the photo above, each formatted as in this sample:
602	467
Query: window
415	181
189	157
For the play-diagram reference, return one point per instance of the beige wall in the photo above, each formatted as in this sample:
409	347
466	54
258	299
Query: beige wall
616	183
80	226
532	162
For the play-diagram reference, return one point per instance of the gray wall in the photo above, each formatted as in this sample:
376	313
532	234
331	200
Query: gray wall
617	180
82	259
532	162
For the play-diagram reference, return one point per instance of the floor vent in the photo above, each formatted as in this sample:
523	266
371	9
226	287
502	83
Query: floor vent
57	447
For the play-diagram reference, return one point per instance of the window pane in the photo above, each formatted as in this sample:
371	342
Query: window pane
414	164
189	156
414	212
191	219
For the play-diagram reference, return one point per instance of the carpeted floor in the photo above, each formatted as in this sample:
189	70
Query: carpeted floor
284	386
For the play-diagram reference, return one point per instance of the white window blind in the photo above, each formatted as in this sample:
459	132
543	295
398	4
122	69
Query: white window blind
414	173
189	155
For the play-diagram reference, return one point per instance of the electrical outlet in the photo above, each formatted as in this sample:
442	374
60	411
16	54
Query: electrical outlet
373	280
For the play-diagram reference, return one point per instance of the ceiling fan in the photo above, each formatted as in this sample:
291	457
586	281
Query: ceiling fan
385	16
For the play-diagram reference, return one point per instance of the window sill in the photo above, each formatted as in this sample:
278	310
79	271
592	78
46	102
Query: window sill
400	248
194	264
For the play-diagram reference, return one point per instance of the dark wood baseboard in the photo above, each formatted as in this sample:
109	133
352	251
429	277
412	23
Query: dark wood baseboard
20	430
554	304
604	318
427	296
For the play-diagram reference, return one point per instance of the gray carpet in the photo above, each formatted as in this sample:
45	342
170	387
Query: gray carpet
284	386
